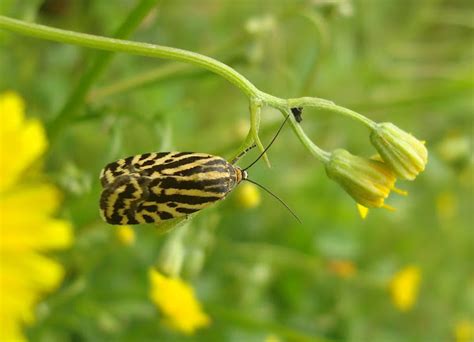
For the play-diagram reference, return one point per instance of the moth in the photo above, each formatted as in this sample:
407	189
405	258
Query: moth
154	187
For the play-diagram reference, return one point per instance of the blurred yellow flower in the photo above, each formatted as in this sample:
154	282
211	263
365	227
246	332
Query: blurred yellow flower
22	142
342	268
26	224
248	195
404	287
176	299
125	234
464	331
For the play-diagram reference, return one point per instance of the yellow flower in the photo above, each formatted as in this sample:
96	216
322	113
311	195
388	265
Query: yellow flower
26	225
125	234
404	153
22	142
367	181
248	195
464	331
404	287
176	299
342	268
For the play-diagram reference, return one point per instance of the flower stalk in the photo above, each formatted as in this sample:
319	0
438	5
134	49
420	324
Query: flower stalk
369	182
165	52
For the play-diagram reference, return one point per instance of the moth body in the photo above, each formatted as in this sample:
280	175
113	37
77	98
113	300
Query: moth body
153	187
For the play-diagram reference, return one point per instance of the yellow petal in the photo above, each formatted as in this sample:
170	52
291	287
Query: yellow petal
37	199
10	328
31	271
363	211
12	111
42	236
18	150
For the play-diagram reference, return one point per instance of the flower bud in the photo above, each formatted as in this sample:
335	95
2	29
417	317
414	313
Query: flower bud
367	181
405	154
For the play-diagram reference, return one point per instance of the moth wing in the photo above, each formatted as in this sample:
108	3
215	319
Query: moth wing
157	187
152	164
130	165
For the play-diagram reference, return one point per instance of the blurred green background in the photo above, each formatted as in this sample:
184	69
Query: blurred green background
259	274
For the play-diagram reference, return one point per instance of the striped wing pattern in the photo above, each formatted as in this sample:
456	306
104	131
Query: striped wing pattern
153	187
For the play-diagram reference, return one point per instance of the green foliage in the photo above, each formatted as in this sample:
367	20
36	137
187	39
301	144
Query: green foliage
257	272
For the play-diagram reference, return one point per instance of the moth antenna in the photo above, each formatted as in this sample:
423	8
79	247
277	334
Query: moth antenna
270	144
276	197
241	154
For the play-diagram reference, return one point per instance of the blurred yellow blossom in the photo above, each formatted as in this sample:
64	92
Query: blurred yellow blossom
26	225
464	331
248	195
342	268
404	287
22	141
176	299
125	234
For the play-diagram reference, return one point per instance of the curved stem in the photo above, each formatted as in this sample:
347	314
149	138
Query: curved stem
257	97
330	106
314	149
136	48
255	111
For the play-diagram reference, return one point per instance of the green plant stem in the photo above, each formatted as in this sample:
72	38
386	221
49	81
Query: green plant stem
255	115
99	64
134	48
143	49
169	70
329	106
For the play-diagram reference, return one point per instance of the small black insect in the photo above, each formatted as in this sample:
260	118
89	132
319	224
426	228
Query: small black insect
297	111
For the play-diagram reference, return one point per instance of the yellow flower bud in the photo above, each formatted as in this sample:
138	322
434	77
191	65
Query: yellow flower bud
367	181
404	153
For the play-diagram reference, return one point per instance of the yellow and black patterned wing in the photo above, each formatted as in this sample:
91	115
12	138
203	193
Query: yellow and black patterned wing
159	186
